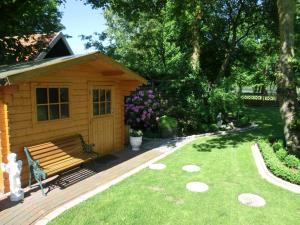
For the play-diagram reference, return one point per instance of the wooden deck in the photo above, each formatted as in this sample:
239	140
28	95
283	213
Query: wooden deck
72	184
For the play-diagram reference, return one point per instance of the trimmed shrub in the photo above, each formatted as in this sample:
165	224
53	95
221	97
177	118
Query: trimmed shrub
281	154
278	145
292	161
276	166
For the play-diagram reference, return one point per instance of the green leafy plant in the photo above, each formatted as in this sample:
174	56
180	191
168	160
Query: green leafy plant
214	127
135	133
281	154
276	166
278	145
167	122
243	121
292	161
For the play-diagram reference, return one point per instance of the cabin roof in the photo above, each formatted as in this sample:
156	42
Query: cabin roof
22	72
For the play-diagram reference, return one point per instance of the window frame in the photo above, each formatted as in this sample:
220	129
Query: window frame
34	87
99	88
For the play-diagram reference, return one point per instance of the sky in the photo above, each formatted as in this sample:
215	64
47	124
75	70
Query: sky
80	19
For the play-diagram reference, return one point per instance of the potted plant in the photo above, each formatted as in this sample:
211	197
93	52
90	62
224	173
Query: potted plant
168	126
136	137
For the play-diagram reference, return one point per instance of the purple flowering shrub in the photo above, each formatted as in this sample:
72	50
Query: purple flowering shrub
141	110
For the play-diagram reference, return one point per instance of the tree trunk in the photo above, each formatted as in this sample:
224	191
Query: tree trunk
225	64
195	57
286	84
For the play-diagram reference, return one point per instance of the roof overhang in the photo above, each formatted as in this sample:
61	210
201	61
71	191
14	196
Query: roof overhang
23	72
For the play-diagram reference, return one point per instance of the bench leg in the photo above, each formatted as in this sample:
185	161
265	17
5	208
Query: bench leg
29	181
41	186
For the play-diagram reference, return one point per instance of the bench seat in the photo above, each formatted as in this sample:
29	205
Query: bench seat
56	156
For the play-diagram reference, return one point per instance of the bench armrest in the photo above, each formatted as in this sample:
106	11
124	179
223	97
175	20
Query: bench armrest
38	172
88	148
34	166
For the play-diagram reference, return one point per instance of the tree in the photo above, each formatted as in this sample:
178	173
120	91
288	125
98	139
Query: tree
286	79
19	19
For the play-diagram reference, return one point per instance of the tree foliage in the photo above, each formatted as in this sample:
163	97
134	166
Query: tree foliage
190	49
19	19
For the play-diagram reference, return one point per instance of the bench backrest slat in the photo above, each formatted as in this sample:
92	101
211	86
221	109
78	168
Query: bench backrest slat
57	150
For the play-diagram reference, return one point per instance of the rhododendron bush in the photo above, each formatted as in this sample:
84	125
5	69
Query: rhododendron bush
142	109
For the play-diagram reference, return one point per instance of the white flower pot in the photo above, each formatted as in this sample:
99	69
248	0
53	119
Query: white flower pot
136	143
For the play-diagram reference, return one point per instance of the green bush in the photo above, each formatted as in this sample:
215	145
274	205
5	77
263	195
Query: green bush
278	145
204	128
167	122
243	121
225	102
214	127
292	161
281	154
276	166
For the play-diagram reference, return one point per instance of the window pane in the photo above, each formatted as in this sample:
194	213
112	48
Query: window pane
95	95
108	95
108	108
53	95
64	95
64	110
42	112
41	96
95	109
54	112
102	108
102	95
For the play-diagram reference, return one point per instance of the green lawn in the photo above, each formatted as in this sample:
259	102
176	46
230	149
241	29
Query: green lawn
227	166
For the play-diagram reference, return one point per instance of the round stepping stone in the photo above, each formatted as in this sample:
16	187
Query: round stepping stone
251	200
191	168
197	186
157	166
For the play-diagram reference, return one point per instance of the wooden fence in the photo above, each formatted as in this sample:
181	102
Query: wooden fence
254	99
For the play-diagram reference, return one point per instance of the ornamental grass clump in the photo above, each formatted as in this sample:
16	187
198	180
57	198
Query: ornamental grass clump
141	110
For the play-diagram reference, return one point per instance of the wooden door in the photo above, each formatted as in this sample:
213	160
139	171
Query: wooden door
102	118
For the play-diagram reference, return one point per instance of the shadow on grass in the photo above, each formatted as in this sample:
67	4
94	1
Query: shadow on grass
269	124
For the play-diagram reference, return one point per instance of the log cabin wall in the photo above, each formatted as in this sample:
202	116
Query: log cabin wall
2	127
25	130
4	137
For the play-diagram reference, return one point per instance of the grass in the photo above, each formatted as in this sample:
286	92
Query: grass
227	166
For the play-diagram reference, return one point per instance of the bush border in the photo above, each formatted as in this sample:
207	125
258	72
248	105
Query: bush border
273	170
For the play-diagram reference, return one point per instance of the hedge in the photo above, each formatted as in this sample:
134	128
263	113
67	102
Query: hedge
276	166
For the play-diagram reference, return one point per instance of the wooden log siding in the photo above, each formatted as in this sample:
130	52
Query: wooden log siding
4	140
2	153
25	131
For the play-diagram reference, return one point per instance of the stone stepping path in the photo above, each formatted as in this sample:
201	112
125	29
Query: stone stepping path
248	199
251	200
197	186
191	168
157	166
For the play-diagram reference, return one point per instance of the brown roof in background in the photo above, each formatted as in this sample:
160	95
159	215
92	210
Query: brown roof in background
38	43
35	46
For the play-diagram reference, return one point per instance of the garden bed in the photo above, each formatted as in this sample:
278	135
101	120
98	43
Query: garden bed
278	167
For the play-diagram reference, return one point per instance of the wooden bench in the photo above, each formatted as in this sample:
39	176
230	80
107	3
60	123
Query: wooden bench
53	157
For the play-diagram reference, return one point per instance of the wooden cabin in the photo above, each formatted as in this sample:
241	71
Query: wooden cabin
53	98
